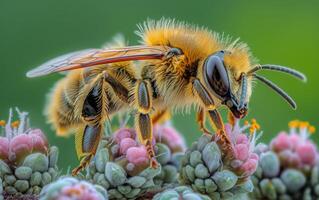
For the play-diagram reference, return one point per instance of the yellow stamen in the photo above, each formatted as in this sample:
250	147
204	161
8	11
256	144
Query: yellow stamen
293	124
303	124
253	121
2	123
255	124
15	124
312	129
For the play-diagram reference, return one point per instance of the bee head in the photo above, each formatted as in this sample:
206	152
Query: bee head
217	81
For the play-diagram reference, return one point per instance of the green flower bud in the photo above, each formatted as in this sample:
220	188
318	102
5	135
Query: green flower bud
37	162
115	174
293	179
270	164
23	173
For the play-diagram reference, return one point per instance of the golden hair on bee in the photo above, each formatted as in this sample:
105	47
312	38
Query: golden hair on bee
196	42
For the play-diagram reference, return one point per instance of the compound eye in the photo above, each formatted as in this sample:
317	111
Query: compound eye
216	75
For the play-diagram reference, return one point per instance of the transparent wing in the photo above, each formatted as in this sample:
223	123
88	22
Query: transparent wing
93	57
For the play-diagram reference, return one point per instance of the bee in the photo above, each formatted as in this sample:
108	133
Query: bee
177	65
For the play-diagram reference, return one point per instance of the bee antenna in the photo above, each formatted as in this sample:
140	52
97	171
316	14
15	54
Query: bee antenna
243	92
287	70
277	89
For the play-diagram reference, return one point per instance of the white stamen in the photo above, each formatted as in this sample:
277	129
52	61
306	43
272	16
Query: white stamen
8	128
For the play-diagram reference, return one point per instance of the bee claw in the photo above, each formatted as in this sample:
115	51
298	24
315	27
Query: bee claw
153	163
76	171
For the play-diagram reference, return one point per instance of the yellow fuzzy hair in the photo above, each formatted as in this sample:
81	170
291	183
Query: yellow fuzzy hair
196	42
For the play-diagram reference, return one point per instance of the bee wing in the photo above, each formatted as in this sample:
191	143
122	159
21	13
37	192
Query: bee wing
93	57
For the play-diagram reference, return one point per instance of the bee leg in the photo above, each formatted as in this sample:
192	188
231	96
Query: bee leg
200	117
231	118
143	121
89	143
161	116
213	114
87	140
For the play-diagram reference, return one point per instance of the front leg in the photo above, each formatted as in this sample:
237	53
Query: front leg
143	122
213	114
200	117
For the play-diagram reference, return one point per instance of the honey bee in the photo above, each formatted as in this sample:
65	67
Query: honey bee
176	66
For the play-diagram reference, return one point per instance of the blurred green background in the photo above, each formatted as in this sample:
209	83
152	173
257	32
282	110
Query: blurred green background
278	32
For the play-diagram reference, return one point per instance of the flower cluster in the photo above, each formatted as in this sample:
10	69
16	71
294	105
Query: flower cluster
68	188
294	148
27	163
288	168
121	164
207	169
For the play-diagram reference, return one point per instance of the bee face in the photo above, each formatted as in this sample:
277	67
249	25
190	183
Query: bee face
217	81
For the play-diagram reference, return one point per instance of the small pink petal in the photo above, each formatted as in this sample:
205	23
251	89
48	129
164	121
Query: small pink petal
171	137
242	139
4	148
39	133
307	153
241	151
137	155
124	133
20	146
281	142
254	156
249	167
38	144
295	140
127	143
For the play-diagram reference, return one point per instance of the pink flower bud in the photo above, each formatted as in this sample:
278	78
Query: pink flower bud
307	153
242	139
241	151
38	144
39	133
20	146
171	137
289	158
125	144
295	140
249	167
4	148
254	156
281	142
137	155
124	133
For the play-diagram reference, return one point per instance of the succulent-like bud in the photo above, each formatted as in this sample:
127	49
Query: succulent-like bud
68	188
288	168
180	193
121	164
27	162
209	170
